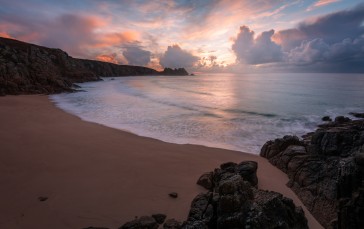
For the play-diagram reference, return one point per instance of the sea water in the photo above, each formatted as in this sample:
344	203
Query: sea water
232	111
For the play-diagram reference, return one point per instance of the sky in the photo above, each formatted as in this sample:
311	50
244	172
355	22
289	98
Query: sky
202	36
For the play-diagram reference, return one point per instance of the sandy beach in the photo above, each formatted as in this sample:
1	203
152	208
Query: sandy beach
98	176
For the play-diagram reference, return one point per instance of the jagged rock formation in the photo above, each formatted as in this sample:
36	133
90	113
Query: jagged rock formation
31	69
175	72
232	201
151	222
326	170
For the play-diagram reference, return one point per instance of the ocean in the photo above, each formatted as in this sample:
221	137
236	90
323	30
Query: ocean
232	111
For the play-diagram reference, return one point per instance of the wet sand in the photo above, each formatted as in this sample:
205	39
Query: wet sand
98	176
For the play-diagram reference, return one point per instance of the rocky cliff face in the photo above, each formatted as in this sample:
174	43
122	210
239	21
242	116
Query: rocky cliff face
326	170
28	69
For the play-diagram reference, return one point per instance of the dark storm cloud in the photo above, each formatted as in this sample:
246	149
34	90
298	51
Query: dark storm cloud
332	28
334	42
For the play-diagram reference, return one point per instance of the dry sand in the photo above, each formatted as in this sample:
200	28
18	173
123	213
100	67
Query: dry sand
98	176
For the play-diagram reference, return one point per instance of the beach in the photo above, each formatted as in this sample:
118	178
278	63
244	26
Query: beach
93	175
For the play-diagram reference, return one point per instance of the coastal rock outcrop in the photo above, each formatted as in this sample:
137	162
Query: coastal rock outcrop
325	170
31	69
232	201
175	72
150	222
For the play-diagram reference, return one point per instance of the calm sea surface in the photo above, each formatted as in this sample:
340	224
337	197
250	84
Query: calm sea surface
231	111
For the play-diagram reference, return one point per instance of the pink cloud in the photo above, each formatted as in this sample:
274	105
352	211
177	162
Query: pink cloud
321	3
110	39
5	35
111	58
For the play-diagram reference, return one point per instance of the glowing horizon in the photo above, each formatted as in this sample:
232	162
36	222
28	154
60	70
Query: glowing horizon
219	35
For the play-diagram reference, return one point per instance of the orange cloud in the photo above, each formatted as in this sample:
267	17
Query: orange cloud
5	35
111	39
111	58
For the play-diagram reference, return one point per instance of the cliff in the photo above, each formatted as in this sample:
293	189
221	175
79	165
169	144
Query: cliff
31	69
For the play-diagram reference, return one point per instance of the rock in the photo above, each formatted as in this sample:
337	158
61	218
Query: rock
145	222
235	203
272	210
96	228
326	171
342	119
159	218
248	170
173	194
205	180
357	115
172	224
228	166
42	198
326	119
174	72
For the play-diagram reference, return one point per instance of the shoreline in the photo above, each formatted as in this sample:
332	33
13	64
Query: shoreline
95	175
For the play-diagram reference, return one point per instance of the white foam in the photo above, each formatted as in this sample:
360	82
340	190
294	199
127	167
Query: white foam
224	111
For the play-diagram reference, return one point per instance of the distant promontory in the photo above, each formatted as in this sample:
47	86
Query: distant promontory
31	69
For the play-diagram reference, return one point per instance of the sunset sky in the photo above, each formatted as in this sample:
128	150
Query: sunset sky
215	35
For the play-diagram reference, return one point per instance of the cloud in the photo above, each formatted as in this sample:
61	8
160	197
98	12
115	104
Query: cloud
111	58
2	34
175	57
136	55
110	39
334	42
77	34
258	50
317	50
321	3
332	28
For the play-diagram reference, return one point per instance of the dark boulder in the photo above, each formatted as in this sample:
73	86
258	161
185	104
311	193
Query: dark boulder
144	222
173	195
326	171
159	218
326	119
96	228
248	170
235	203
205	180
357	115
342	119
172	224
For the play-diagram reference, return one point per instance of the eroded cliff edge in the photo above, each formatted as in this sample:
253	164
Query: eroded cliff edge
31	69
